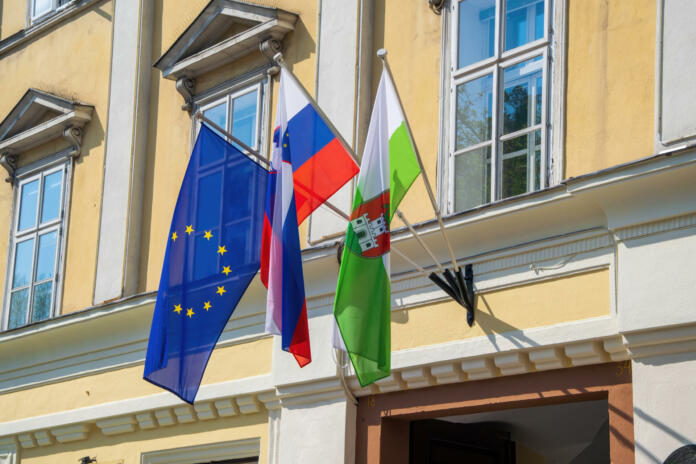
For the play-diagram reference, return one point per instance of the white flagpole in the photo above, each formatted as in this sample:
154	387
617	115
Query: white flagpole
382	54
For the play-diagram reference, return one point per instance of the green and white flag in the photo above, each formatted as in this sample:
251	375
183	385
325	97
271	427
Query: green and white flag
363	298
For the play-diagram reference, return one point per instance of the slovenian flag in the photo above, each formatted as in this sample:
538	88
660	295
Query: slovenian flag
308	165
363	295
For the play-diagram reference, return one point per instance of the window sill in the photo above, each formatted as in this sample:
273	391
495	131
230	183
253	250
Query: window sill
44	23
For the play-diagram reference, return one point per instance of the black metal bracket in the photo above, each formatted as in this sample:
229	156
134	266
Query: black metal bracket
459	287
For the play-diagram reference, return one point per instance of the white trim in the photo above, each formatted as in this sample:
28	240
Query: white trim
57	225
237	449
494	66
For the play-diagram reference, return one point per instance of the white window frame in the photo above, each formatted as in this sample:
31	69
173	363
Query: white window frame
39	171
227	93
548	46
55	7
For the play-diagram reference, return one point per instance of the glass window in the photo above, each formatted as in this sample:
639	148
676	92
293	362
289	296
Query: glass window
41	7
239	113
498	86
35	247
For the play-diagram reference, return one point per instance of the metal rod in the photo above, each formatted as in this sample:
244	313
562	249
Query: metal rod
382	54
278	57
422	243
252	152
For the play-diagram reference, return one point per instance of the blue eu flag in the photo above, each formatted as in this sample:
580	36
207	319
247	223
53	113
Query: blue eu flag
213	253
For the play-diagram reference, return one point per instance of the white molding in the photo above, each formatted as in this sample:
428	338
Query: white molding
656	227
237	449
9	451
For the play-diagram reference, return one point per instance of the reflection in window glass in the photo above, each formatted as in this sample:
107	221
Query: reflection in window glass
18	308
472	171
47	256
24	256
41	7
521	164
519	90
29	199
50	209
476	31
217	114
524	22
244	118
42	301
474	112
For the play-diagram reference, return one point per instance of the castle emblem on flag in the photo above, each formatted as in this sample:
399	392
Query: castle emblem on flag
370	227
368	231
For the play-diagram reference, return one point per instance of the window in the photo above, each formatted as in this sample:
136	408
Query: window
499	100
239	113
41	7
35	247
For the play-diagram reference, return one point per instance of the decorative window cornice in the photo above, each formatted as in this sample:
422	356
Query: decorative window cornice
37	118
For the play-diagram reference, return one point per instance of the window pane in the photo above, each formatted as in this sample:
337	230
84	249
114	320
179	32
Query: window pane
474	111
521	164
472	178
520	87
18	308
27	204
218	114
476	31
42	302
41	6
244	118
50	209
524	22
24	254
47	256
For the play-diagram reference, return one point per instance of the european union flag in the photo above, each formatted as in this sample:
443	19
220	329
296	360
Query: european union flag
213	253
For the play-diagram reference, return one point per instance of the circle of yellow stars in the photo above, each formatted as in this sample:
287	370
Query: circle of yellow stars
208	234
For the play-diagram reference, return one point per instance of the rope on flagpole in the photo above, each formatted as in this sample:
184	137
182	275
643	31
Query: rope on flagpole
382	54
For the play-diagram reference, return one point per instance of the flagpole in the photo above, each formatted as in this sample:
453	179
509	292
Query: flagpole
420	240
252	152
382	54
278	57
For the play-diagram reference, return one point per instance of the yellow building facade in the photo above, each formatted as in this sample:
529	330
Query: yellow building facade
558	139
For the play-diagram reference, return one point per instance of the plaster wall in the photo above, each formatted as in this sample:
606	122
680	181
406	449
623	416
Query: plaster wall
657	280
664	405
572	298
13	18
319	432
128	451
229	363
610	83
73	61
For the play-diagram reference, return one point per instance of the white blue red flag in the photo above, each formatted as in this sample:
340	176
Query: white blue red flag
308	165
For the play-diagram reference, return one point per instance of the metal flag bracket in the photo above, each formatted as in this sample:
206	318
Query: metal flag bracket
459	287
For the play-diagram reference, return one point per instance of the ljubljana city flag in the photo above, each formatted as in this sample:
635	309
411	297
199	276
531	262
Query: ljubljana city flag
213	253
308	165
362	305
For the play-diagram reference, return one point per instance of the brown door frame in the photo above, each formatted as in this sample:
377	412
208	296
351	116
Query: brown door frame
383	420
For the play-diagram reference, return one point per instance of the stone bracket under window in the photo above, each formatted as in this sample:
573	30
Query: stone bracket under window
37	118
225	31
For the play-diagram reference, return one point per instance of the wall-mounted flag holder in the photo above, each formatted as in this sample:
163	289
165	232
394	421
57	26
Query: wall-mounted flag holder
459	287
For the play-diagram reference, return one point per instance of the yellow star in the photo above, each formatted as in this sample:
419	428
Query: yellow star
226	270
177	309
189	312
222	250
189	229
221	290
207	235
206	305
174	236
